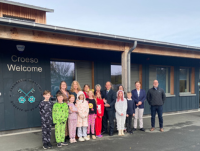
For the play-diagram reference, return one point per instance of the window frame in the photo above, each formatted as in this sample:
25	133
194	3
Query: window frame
171	80
191	82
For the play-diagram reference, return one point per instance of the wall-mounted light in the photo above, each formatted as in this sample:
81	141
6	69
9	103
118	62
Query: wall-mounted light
20	48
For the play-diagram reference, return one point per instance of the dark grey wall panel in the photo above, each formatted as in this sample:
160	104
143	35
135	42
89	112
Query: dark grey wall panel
145	86
102	73
15	115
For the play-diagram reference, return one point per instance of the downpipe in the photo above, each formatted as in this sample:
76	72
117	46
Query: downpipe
129	66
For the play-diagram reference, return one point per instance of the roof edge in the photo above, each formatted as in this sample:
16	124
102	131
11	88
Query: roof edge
26	5
84	33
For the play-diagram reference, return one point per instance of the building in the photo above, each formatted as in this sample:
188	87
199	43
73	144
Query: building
35	56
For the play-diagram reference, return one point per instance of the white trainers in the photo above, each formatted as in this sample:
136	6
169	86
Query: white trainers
81	139
86	138
74	140
93	137
71	140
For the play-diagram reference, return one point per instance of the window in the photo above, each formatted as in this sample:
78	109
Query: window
162	74
61	71
116	76
184	79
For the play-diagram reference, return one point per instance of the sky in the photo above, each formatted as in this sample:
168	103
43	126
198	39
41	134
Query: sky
175	21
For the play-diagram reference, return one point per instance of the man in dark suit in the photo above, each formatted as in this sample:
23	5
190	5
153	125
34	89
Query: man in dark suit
139	96
109	97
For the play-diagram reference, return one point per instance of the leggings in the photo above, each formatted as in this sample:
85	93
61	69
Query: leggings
72	127
91	122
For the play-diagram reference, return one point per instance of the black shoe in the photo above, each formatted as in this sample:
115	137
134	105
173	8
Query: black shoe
45	146
103	132
142	129
49	145
64	144
59	145
134	129
131	132
66	138
111	133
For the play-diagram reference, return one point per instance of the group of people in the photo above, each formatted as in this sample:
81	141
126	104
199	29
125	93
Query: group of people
84	113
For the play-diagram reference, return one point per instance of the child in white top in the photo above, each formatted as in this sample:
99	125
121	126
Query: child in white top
121	107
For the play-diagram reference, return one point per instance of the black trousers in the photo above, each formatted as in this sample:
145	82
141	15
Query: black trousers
46	132
129	123
108	116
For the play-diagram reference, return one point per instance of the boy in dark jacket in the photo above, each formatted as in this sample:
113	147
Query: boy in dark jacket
46	119
130	112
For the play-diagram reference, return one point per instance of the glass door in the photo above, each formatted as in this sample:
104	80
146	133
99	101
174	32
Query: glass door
61	71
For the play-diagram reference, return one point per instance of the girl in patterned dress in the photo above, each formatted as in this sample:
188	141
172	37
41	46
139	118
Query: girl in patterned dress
82	120
72	119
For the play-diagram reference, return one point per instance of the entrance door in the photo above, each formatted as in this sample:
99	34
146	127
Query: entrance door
68	72
61	71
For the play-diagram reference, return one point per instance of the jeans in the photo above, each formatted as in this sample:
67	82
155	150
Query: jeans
159	110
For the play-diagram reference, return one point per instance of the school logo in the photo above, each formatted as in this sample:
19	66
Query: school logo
25	95
22	99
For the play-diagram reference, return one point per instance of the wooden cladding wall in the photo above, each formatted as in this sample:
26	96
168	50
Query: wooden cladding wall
164	51
22	12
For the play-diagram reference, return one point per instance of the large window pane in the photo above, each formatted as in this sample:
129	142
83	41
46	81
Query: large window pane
116	76
184	79
61	71
162	74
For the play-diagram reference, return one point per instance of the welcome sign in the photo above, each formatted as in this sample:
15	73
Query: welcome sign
25	94
23	68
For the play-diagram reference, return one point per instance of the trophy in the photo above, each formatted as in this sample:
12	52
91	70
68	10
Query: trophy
105	101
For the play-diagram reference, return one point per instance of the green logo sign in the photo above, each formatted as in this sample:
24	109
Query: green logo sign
25	95
22	99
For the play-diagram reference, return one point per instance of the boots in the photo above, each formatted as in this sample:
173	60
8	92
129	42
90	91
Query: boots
119	132
122	132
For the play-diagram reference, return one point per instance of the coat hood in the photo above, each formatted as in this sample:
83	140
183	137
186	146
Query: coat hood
79	93
118	94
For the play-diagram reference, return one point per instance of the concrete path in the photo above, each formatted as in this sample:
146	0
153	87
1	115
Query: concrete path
182	133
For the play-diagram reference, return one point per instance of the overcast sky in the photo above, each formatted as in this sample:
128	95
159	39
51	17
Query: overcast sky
176	21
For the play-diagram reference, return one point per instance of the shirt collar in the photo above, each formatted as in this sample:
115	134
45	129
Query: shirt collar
156	88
